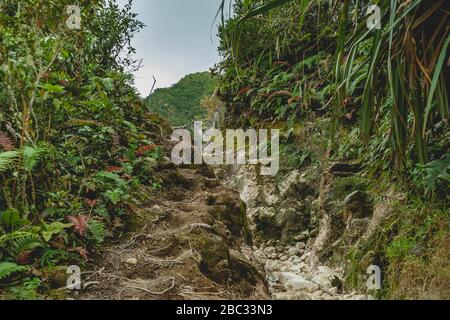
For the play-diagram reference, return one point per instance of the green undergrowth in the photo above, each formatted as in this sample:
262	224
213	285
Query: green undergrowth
78	148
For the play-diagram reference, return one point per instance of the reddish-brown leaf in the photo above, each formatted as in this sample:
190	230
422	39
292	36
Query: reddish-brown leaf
81	251
113	169
279	93
91	202
282	63
80	223
242	91
5	142
144	149
24	257
294	99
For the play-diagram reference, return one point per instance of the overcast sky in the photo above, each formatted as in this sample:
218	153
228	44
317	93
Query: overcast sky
176	41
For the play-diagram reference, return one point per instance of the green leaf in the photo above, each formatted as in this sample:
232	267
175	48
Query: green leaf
434	83
54	228
12	218
97	231
52	88
31	157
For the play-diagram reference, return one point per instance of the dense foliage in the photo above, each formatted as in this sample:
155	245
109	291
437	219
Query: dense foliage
180	104
75	139
319	58
373	96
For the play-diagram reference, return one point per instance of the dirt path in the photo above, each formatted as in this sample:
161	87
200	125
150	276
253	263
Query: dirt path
187	246
194	242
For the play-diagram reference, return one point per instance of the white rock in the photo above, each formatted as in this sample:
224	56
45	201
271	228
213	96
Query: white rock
300	245
305	256
304	267
333	291
322	282
294	282
326	272
132	261
294	251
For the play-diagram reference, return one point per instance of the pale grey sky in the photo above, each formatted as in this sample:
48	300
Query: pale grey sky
176	41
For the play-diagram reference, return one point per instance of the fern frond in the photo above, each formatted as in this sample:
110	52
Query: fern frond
21	245
7	159
16	236
74	123
52	256
31	156
7	269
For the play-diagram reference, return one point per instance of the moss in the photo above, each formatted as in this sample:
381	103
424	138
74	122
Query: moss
411	248
343	186
214	252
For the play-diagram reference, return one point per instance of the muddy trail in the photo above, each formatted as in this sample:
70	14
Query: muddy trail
187	245
196	240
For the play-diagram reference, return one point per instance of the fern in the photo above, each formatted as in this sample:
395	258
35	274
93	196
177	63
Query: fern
20	245
14	238
31	156
74	123
111	178
7	269
51	257
7	159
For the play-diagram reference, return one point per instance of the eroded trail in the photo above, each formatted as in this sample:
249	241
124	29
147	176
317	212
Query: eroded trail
187	246
206	238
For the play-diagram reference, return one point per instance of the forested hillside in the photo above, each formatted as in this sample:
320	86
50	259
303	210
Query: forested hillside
180	104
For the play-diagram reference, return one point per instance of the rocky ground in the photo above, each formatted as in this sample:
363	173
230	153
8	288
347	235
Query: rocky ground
291	275
230	233
287	210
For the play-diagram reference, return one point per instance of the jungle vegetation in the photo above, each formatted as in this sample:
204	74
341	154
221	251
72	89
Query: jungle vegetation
79	147
377	96
76	139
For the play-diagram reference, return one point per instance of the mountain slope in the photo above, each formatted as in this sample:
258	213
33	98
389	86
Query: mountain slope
180	104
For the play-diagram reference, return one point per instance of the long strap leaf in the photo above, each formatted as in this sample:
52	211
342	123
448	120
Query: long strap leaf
434	83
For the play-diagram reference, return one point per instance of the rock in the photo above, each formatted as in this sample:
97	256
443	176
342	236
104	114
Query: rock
322	282
294	282
303	236
297	185
306	256
326	272
294	251
300	245
132	261
358	205
333	291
